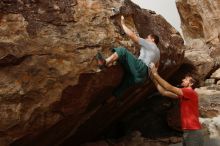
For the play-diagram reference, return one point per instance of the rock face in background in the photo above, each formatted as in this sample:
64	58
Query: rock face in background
201	30
200	22
49	88
210	112
210	102
200	63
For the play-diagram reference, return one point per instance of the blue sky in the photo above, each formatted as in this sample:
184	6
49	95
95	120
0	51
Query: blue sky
166	8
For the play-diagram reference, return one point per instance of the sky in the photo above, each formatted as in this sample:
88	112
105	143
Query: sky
166	8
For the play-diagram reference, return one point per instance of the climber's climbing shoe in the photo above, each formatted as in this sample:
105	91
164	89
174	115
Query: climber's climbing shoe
115	11
100	60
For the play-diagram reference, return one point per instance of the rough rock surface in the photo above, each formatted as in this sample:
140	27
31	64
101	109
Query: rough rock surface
216	74
49	88
209	101
201	30
200	21
210	113
199	63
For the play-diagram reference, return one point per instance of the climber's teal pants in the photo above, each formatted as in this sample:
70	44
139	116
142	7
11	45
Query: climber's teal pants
135	71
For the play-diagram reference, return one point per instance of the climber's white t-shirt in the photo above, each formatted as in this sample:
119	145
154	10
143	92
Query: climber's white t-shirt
149	52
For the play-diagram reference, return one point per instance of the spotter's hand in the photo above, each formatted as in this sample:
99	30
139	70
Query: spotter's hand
153	68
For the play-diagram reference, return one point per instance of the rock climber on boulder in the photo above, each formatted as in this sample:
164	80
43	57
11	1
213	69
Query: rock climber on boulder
135	69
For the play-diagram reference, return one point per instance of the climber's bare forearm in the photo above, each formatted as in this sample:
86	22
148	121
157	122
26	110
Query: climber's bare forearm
130	33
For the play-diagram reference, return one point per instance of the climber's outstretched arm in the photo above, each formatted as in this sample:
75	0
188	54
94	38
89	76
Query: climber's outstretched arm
130	33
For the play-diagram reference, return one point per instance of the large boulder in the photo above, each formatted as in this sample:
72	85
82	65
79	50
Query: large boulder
216	74
201	28
50	89
199	21
201	62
